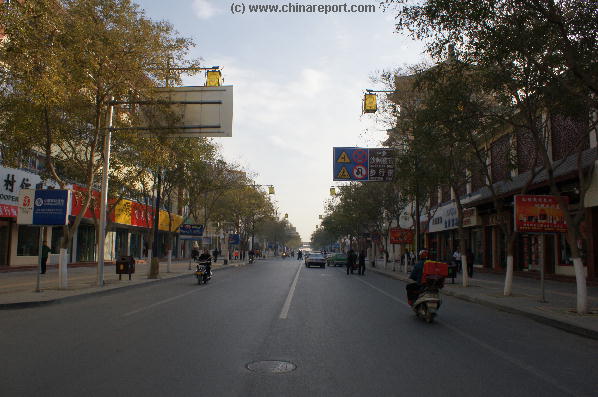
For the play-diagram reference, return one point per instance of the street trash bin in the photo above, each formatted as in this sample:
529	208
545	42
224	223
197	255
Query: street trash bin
125	265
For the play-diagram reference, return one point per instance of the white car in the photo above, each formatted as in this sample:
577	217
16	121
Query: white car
315	259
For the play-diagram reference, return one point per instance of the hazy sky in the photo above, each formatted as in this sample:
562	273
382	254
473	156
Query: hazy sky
298	84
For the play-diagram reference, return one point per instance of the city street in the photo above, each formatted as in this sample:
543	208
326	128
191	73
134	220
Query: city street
333	335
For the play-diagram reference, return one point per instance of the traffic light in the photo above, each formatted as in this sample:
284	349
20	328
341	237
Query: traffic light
270	189
333	191
369	103
213	78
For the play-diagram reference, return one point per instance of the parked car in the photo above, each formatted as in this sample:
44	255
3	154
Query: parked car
337	259
315	259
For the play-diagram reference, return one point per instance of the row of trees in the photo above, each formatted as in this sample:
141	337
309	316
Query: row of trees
63	62
505	70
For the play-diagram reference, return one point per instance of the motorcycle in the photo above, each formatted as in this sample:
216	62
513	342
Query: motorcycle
202	274
427	297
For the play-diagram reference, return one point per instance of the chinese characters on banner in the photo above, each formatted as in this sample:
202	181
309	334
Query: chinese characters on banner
539	214
401	236
11	182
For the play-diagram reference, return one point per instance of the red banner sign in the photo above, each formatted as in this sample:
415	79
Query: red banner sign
142	215
539	214
8	211
79	195
401	236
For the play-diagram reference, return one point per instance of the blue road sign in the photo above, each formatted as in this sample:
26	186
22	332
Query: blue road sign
350	164
363	164
234	239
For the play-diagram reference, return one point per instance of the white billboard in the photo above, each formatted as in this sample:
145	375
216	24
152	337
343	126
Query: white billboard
203	111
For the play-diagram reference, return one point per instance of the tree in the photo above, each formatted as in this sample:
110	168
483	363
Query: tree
63	63
533	51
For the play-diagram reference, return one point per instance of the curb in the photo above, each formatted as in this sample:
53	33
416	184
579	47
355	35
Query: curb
562	325
83	296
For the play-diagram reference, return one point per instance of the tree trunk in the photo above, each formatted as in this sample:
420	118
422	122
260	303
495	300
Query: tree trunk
63	282
509	275
580	277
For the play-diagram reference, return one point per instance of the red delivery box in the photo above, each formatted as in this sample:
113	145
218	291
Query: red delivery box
435	268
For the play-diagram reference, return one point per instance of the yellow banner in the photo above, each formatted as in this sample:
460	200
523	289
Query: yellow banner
122	212
169	222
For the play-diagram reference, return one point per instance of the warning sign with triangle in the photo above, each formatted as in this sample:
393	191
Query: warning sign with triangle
344	174
344	158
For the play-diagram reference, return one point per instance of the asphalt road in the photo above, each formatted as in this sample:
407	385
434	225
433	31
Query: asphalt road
346	335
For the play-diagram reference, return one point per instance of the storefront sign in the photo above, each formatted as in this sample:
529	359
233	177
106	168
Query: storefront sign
122	212
79	196
142	215
499	219
445	219
539	214
401	236
470	217
191	232
44	207
11	183
169	222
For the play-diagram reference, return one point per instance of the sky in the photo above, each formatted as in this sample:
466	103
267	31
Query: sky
299	80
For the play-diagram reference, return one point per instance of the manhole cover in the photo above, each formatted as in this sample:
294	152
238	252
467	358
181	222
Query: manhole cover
271	367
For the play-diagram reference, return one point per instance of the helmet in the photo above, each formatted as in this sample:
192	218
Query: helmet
423	254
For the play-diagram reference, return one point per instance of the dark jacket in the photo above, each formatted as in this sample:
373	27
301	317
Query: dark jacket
418	271
362	258
351	258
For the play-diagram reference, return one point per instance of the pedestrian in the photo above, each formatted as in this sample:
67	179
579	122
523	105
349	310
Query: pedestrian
469	257
45	251
351	257
195	251
457	258
361	263
215	254
236	254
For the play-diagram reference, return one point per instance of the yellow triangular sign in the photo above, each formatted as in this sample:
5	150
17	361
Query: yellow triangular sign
344	158
344	174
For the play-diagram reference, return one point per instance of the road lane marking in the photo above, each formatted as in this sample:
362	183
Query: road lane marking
526	367
287	303
384	293
163	302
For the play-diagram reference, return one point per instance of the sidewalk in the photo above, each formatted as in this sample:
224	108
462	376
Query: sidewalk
487	289
17	289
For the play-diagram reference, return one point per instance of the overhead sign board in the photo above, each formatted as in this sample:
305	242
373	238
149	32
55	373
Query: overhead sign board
49	207
203	111
539	214
191	232
363	164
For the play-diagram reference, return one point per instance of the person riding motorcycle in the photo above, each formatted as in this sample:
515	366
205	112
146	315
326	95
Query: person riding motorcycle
206	258
416	275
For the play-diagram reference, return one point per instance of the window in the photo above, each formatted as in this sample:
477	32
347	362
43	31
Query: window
28	241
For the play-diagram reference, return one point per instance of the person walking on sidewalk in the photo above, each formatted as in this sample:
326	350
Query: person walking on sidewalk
215	254
45	251
469	257
361	262
351	260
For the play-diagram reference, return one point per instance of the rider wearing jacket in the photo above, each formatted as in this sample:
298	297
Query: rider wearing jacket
413	289
207	259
